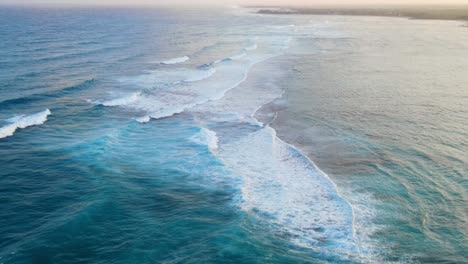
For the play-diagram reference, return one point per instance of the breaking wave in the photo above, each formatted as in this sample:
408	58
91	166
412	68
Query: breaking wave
125	100
23	121
143	119
206	137
277	178
166	78
175	60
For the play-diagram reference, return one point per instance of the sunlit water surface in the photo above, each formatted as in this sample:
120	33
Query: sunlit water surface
190	136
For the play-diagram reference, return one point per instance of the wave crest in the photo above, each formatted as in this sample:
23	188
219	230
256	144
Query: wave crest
23	121
122	100
143	119
175	60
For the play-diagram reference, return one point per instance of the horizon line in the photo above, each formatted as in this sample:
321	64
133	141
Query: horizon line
204	5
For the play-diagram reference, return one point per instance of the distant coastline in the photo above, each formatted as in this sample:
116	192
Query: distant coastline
411	12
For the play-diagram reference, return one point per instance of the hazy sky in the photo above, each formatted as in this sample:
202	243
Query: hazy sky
232	2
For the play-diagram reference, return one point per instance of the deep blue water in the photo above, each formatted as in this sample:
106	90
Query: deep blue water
130	136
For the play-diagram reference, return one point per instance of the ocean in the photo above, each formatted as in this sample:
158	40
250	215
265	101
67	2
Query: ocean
166	135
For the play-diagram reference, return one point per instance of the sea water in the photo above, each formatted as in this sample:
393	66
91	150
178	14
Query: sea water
191	136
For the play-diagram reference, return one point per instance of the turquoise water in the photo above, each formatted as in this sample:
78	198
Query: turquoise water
135	136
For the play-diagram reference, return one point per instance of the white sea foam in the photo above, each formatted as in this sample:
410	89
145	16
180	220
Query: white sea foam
125	100
200	75
143	119
280	185
23	121
164	78
198	89
206	137
175	60
15	118
168	111
283	186
195	91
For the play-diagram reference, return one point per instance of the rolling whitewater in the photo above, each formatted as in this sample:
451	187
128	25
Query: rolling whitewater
226	136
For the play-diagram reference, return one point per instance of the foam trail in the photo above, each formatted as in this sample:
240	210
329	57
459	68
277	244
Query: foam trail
23	121
170	111
279	184
195	91
206	137
175	60
282	186
123	100
166	78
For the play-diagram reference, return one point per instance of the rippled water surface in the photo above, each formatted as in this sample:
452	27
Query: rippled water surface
190	136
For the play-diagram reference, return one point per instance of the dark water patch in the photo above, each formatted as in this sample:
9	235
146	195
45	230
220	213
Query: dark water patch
67	91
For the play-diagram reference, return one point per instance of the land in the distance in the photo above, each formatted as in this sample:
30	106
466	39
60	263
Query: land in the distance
413	12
